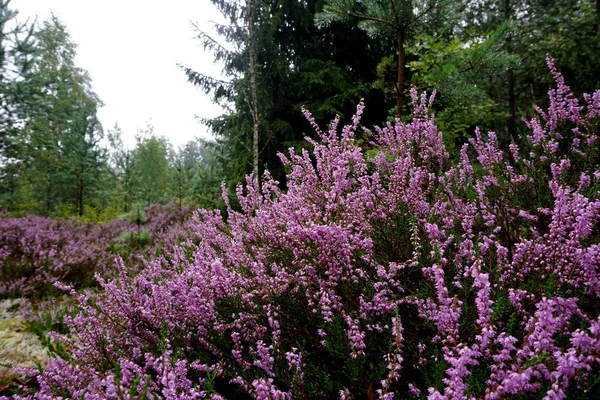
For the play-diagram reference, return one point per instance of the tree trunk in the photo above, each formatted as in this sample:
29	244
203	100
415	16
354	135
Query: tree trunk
48	200
79	193
253	90
180	187
511	80
597	25
401	77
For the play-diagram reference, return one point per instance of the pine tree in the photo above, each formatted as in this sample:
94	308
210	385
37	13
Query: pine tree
64	138
17	99
121	164
295	64
564	29
17	49
396	19
56	152
151	168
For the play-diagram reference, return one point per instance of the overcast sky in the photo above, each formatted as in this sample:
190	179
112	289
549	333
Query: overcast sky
131	48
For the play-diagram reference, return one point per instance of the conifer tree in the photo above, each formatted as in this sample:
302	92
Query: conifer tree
151	166
121	164
395	18
564	29
17	49
295	64
57	152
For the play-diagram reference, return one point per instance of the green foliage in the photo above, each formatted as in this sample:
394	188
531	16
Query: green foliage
297	64
374	17
48	318
128	241
56	163
17	52
136	216
482	57
440	61
151	164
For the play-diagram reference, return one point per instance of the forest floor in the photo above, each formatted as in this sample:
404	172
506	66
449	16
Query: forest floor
17	346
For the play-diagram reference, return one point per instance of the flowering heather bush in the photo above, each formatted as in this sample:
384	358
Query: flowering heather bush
36	252
169	225
396	275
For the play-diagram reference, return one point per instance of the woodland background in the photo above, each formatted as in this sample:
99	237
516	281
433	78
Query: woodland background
483	57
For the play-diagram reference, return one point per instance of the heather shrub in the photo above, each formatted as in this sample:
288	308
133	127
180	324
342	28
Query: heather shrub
36	252
386	271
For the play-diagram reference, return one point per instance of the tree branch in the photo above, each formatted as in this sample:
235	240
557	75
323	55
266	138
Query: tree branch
364	17
398	21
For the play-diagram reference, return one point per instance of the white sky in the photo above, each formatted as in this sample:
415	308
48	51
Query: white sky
131	48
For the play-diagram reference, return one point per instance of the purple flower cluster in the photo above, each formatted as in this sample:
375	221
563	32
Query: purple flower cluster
37	252
386	271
